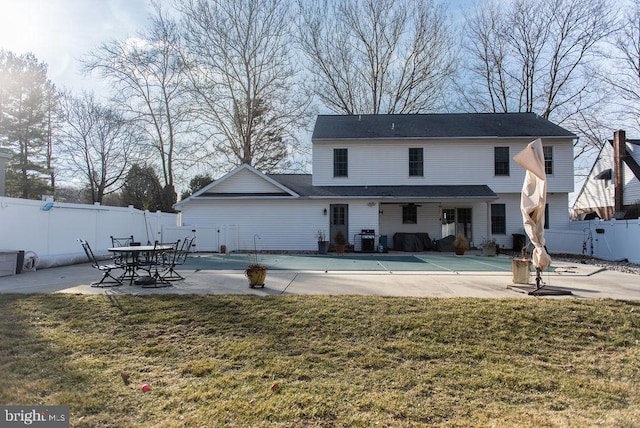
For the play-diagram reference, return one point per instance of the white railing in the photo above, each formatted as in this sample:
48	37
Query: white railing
51	229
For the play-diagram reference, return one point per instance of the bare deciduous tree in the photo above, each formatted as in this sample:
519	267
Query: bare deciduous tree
377	56
96	143
150	79
623	71
537	56
243	78
534	56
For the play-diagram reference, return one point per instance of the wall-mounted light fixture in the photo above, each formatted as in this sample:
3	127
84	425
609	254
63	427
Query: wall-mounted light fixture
325	211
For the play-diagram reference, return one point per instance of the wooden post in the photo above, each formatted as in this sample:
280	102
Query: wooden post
619	152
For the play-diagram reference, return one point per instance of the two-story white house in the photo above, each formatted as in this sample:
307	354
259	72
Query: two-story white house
396	178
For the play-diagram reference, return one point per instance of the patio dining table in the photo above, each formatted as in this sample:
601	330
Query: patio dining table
131	261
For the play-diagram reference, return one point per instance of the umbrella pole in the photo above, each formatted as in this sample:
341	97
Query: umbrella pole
539	283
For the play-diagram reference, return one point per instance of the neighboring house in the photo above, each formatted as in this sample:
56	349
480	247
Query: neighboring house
380	175
613	184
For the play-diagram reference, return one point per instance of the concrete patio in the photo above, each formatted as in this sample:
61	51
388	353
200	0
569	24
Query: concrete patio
584	281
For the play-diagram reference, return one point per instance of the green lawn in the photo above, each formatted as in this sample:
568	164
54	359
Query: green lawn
323	361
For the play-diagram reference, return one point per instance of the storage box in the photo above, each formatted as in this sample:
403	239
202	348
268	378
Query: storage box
8	262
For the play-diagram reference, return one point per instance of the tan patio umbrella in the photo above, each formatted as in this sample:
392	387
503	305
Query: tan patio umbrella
533	201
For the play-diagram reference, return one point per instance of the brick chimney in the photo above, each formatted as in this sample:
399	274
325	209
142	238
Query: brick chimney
619	152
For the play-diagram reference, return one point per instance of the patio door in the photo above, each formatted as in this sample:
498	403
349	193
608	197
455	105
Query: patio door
339	221
455	221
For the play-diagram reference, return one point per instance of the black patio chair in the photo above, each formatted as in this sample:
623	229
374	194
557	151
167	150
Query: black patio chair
127	260
179	257
104	268
148	260
156	262
121	242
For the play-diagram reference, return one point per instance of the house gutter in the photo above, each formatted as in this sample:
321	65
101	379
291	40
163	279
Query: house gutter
487	137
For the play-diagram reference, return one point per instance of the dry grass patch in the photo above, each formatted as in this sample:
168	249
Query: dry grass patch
323	361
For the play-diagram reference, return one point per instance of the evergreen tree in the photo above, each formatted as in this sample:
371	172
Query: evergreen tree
196	183
142	188
168	198
25	103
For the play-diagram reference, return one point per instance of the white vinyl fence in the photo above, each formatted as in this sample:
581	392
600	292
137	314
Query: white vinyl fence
607	240
48	231
610	239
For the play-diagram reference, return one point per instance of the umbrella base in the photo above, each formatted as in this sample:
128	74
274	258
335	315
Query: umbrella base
546	290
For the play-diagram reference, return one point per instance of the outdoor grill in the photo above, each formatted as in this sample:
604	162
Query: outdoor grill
368	240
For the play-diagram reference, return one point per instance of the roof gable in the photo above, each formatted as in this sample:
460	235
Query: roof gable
427	126
244	181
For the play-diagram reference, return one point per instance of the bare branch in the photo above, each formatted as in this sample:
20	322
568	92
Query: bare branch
150	79
242	78
377	56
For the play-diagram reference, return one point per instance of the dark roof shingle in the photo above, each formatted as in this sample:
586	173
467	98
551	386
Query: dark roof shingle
454	125
301	184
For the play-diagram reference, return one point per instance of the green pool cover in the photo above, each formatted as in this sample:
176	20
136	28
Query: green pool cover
444	262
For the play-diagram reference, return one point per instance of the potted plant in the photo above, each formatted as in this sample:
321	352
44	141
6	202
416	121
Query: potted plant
340	242
461	244
323	244
256	273
489	247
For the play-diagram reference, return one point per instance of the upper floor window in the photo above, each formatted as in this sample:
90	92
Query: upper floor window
501	160
548	159
340	163
416	162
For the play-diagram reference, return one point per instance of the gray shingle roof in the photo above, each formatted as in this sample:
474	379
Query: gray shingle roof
455	125
301	184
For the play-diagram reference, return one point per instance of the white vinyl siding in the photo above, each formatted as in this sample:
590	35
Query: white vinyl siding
290	225
631	189
631	182
597	192
445	163
562	179
305	217
558	215
280	224
245	181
